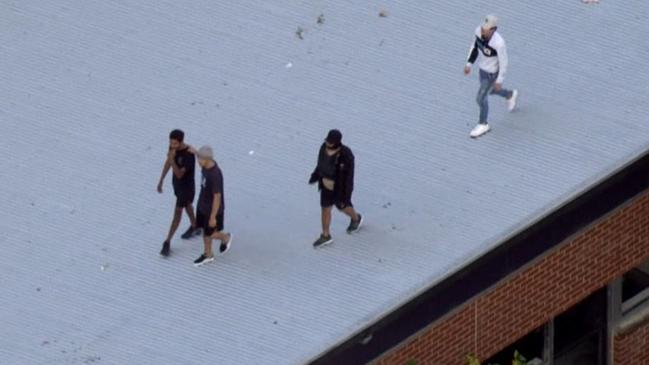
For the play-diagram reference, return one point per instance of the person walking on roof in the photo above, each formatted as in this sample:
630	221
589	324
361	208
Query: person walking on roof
335	177
211	207
182	162
493	65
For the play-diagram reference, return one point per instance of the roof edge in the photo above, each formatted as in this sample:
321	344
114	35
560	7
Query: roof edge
478	276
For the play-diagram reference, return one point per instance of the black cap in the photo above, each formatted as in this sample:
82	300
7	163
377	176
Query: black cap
334	137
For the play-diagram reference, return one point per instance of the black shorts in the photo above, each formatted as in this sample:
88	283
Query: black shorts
184	198
328	198
203	221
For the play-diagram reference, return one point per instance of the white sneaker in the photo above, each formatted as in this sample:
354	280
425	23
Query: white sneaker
479	130
511	102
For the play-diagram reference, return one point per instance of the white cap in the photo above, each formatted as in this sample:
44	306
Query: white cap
490	21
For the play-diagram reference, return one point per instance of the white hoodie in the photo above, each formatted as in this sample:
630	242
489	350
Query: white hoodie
494	54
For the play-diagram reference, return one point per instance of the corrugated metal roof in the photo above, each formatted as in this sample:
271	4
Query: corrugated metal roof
90	90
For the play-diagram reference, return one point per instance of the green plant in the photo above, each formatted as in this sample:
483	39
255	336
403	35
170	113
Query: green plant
411	362
472	360
517	360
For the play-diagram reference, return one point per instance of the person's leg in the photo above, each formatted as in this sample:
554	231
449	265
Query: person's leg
510	95
326	203
219	234
351	213
207	256
226	241
505	93
207	246
186	203
481	98
174	223
356	219
326	221
189	209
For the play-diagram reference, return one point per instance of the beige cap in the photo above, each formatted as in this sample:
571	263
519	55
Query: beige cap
490	21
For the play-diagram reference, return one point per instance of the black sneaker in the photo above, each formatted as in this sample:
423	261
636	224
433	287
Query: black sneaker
355	226
202	260
166	247
225	246
190	232
323	241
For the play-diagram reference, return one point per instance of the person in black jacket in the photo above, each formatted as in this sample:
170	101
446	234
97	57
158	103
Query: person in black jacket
335	177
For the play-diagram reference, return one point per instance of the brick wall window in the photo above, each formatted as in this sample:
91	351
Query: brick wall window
635	288
630	317
546	293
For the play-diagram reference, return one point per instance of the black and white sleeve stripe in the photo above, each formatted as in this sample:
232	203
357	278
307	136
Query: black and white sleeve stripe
473	53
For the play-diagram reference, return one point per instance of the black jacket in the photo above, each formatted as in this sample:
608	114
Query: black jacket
344	184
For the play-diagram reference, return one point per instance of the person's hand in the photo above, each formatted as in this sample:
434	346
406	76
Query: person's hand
160	187
467	70
212	222
498	86
314	178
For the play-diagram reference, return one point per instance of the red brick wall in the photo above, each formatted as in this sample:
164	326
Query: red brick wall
632	347
528	299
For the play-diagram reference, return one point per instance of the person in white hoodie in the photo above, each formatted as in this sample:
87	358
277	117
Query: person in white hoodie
493	65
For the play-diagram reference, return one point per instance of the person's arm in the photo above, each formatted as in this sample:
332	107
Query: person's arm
165	170
216	205
315	175
216	186
349	173
503	62
473	54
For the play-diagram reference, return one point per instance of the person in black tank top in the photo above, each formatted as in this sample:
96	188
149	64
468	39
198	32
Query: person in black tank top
335	177
182	162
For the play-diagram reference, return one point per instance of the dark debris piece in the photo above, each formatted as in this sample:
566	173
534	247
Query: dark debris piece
299	32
